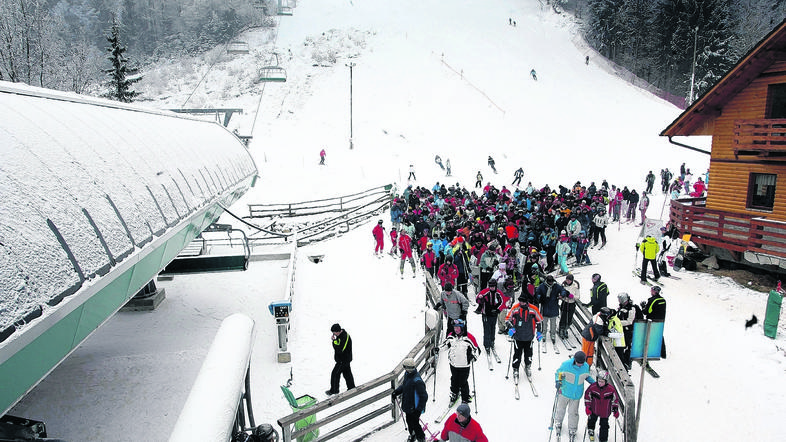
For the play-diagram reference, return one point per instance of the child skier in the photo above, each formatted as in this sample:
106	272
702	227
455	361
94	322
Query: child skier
600	401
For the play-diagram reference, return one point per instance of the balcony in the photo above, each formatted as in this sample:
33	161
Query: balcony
756	239
763	139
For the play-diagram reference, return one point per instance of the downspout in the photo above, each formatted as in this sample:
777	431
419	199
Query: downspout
688	147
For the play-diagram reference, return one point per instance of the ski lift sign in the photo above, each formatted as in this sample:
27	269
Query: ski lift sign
651	339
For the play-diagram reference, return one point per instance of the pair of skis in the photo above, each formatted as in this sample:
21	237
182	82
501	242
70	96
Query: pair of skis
516	386
496	357
648	281
553	344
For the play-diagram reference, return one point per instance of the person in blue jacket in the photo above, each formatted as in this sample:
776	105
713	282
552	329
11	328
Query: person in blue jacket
569	380
413	399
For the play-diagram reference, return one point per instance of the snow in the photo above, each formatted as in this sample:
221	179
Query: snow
429	78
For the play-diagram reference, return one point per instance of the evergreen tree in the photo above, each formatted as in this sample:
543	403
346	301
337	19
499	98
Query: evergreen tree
121	77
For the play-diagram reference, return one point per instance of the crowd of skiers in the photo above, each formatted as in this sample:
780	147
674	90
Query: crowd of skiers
518	241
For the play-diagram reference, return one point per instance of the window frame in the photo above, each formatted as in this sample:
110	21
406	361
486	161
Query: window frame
754	200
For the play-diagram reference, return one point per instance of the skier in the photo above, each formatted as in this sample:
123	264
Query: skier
411	172
491	164
455	305
479	180
447	167
429	259
596	328
405	247
650	181
342	355
322	155
644	203
655	309
394	241
488	260
665	180
490	303
598	294
586	60
461	427
600	221
570	294
517	175
548	295
438	160
533	74
462	352
616	334
600	401
448	272
523	320
569	381
628	312
414	398
649	250
379	237
563	250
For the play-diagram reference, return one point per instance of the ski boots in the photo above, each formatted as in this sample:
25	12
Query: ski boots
527	370
591	433
572	436
558	430
516	376
453	397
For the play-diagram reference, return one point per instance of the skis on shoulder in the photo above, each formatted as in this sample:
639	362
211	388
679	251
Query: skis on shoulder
447	411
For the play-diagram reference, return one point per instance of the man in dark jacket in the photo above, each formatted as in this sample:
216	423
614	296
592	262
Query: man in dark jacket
523	320
598	294
548	295
342	354
413	399
655	309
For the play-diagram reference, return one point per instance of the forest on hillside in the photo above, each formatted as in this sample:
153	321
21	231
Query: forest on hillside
671	44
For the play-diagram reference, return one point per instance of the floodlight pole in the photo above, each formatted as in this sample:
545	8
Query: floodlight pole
351	65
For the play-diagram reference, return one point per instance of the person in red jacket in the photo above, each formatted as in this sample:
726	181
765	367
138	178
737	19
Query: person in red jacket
429	260
601	400
379	236
394	240
405	247
461	427
448	272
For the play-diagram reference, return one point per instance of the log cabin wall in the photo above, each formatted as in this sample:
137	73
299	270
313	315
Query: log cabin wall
729	176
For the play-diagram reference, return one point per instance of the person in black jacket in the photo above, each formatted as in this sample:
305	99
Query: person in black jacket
342	354
598	294
413	399
655	309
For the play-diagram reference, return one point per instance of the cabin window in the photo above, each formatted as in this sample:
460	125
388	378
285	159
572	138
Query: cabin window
761	192
776	101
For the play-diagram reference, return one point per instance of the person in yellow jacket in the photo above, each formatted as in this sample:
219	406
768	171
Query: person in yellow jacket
617	335
649	249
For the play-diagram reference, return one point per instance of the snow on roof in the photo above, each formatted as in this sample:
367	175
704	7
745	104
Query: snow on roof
86	181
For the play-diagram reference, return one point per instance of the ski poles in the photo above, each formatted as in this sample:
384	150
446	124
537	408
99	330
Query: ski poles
401	413
474	388
554	409
510	355
436	362
538	354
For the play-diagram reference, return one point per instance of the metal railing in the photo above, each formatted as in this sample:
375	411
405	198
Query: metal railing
317	207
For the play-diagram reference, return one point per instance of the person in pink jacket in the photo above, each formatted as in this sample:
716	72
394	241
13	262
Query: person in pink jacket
448	272
698	188
405	247
379	236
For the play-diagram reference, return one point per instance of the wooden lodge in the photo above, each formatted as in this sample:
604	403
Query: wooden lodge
743	217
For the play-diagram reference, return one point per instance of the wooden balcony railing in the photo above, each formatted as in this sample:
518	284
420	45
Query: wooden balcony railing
735	232
763	138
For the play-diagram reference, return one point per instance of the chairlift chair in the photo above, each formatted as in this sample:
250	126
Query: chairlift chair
285	7
237	47
273	73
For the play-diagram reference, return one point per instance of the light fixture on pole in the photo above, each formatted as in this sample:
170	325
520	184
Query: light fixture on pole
350	65
693	68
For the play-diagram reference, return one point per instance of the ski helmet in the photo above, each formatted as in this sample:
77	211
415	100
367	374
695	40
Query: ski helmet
492	282
603	375
379	222
605	312
656	289
623	298
459	323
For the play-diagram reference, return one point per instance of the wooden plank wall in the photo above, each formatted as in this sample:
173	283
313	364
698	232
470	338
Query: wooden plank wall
728	176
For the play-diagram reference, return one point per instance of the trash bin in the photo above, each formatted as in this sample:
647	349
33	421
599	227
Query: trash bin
772	316
301	403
